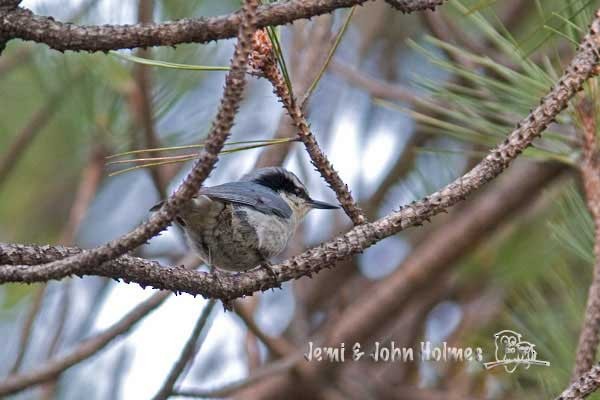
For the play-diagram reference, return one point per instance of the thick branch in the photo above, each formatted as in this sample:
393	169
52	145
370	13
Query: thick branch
6	6
23	24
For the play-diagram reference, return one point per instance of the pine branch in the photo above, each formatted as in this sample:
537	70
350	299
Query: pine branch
21	23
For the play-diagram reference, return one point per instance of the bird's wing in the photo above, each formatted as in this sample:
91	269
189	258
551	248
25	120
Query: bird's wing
250	194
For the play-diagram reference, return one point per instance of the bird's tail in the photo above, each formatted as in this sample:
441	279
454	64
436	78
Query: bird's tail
157	206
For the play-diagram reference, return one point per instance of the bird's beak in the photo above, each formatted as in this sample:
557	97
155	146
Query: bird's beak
321	205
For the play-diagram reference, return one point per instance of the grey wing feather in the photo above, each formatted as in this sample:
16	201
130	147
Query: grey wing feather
250	194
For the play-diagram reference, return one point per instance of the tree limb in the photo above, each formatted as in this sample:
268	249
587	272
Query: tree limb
21	23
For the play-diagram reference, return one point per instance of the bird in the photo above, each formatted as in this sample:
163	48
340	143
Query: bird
240	225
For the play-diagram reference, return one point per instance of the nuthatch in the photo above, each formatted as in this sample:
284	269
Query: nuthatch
239	225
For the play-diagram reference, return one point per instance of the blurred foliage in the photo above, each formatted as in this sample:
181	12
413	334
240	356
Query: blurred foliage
543	268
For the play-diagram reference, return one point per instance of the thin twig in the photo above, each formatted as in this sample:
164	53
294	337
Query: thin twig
48	389
190	349
279	347
50	369
141	100
63	313
119	372
34	308
304	66
88	347
272	369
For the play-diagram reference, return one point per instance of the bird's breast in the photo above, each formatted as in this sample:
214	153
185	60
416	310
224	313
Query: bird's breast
273	232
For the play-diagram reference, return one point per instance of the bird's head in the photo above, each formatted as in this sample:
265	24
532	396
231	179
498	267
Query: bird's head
290	188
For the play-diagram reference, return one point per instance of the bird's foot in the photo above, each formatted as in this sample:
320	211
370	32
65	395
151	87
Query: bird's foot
273	274
227	304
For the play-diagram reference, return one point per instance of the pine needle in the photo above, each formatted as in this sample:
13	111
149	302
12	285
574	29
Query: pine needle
166	64
336	43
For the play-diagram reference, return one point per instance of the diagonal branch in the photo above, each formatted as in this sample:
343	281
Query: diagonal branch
21	23
25	137
278	347
234	85
32	313
583	386
88	185
274	368
53	367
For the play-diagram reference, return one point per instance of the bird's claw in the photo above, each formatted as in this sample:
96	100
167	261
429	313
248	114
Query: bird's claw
273	275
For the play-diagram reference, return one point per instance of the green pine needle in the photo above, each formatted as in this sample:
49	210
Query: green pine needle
166	64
